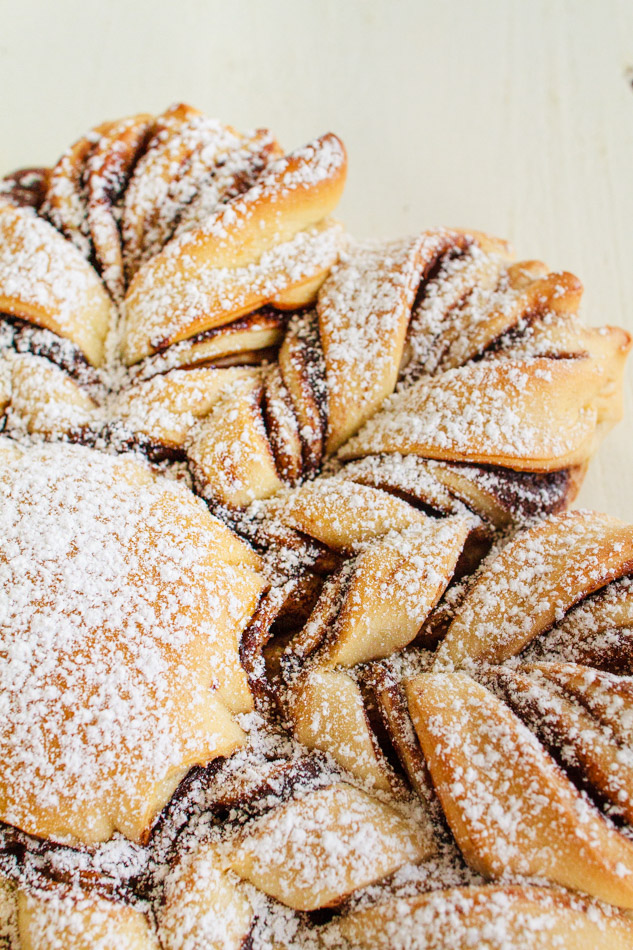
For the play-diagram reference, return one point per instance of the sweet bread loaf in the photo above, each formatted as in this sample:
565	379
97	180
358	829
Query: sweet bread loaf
301	647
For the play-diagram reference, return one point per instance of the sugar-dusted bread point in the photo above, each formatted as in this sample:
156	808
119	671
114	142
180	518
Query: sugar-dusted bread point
363	334
44	399
229	449
165	407
536	415
534	581
509	806
393	585
329	714
341	514
593	743
495	917
44	279
313	852
252	251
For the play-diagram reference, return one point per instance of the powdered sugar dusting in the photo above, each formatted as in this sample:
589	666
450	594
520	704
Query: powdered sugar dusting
99	622
124	601
177	298
40	271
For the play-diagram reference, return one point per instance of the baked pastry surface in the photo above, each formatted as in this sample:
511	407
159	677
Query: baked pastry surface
300	644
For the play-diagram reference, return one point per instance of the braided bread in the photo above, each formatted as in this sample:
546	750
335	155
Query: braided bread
300	646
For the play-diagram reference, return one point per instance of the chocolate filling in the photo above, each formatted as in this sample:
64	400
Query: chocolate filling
25	188
24	337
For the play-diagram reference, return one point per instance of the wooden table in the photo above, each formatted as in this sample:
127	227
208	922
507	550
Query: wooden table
512	116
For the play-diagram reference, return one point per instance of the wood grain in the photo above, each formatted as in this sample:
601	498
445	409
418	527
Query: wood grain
514	116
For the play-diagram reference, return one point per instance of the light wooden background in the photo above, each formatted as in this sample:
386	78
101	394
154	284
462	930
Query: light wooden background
513	116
